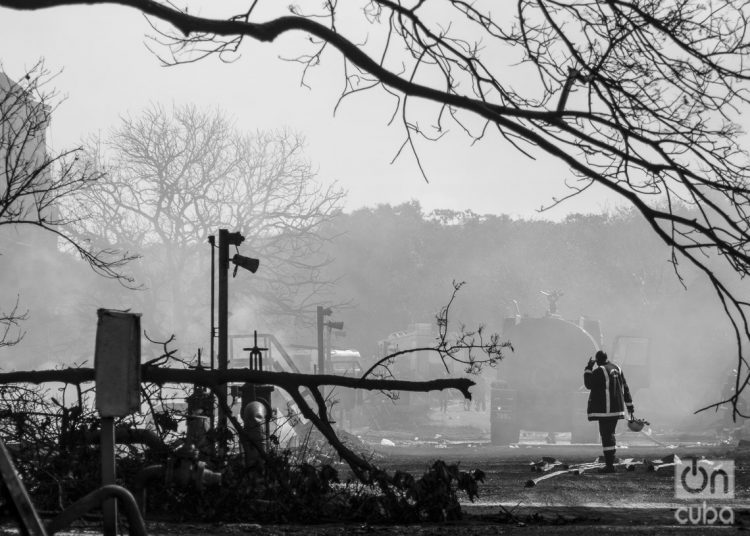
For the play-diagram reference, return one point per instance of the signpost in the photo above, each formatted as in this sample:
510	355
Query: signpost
117	372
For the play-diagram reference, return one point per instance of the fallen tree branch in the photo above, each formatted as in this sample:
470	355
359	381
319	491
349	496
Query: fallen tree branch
290	382
209	378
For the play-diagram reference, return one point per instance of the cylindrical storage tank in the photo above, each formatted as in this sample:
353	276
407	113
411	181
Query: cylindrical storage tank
546	369
504	427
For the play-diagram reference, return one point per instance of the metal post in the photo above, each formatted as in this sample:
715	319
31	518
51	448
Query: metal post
328	349
107	445
212	242
223	328
212	364
321	349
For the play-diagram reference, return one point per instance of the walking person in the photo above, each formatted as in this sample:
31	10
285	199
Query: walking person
608	399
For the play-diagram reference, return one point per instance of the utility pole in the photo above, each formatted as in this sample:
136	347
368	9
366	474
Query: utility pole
328	347
226	239
331	325
212	355
324	346
322	312
223	331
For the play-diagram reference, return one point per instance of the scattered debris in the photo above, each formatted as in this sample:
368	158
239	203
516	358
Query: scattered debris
387	443
629	464
667	461
546	464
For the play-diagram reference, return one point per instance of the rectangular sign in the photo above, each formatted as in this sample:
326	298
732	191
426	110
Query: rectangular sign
117	363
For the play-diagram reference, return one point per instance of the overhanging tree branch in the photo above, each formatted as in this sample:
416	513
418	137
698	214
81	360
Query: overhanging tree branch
34	182
639	97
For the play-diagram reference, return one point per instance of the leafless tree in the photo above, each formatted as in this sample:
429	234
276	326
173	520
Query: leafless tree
34	181
638	96
175	177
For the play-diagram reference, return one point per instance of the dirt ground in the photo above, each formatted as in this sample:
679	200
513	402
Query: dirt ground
632	502
627	502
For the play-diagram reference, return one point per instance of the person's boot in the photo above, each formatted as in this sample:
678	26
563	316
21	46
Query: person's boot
609	462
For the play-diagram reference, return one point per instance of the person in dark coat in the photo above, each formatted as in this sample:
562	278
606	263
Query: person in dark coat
608	400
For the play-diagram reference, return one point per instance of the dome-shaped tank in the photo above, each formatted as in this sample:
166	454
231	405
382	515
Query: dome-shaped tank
548	353
539	384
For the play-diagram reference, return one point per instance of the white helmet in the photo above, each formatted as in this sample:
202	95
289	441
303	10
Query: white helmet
636	425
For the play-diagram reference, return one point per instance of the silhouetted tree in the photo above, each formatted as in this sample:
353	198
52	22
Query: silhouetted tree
637	96
174	177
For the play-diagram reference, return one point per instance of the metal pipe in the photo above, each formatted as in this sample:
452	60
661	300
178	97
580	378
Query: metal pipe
223	328
328	347
321	349
129	436
255	418
212	243
107	449
19	501
142	479
136	525
212	357
178	471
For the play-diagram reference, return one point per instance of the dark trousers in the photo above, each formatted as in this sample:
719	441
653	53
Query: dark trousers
607	427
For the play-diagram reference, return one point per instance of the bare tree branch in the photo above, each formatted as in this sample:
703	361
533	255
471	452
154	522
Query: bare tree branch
640	97
460	347
33	181
174	177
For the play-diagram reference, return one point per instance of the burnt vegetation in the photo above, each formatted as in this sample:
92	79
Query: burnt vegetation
58	429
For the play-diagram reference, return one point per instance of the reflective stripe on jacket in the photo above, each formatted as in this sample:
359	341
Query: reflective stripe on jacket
609	395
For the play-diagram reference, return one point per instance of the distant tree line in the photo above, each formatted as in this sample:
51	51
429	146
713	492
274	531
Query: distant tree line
396	265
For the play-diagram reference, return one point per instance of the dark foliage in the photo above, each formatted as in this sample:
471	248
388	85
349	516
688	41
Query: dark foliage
55	447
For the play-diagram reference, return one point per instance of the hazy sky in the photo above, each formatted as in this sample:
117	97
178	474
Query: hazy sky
108	72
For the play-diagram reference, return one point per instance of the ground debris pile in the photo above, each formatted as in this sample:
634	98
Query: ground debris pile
551	468
284	492
165	472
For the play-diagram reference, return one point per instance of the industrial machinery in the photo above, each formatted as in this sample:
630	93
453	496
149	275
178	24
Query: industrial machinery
539	386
